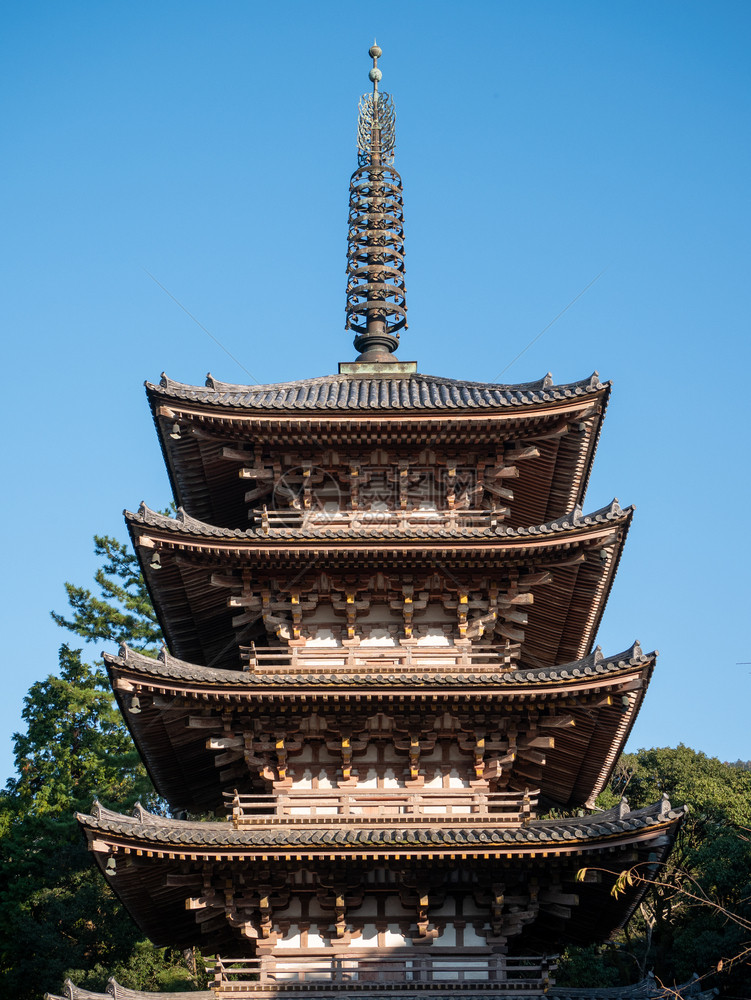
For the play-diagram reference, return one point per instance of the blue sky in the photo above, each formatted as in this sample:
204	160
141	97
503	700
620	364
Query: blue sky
540	144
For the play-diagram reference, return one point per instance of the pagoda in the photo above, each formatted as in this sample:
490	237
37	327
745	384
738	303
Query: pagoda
380	598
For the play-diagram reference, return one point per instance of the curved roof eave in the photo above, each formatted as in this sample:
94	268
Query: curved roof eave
572	523
360	394
593	668
166	835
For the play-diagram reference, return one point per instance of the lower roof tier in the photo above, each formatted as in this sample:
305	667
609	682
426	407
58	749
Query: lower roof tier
201	731
646	989
213	884
200	577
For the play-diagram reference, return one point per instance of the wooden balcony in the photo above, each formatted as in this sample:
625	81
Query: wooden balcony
372	521
413	658
369	806
364	970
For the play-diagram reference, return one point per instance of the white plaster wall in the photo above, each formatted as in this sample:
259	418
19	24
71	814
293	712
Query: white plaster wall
369	937
446	938
291	939
393	937
471	936
447	908
434	635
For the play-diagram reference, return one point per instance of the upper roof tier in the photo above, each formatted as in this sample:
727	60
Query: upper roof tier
544	435
395	392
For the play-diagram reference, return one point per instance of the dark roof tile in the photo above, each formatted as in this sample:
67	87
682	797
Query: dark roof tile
169	667
183	523
156	829
647	989
348	392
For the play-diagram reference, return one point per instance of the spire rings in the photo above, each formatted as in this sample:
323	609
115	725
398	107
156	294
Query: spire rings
376	307
376	293
393	315
377	272
365	212
389	181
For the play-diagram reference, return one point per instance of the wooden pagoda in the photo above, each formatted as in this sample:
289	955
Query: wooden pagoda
380	598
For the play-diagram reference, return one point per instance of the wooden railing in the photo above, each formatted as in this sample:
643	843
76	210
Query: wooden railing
372	520
354	806
381	659
362	970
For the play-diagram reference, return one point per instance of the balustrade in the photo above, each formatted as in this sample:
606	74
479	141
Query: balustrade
374	659
364	805
372	520
361	970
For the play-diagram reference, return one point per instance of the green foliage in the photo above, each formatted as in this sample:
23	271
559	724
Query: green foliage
75	746
715	792
160	970
56	914
697	917
58	917
592	966
55	910
123	612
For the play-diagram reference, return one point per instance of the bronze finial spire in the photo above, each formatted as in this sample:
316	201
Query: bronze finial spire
376	304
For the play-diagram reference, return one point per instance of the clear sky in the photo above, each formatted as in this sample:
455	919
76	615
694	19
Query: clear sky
540	143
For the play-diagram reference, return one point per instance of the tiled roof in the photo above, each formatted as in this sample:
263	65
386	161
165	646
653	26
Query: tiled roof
591	667
647	989
117	992
185	524
157	830
399	392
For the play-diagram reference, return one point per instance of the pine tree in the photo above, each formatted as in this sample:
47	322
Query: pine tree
58	917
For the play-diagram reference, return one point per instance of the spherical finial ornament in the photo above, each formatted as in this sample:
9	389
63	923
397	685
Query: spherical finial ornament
375	75
375	52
